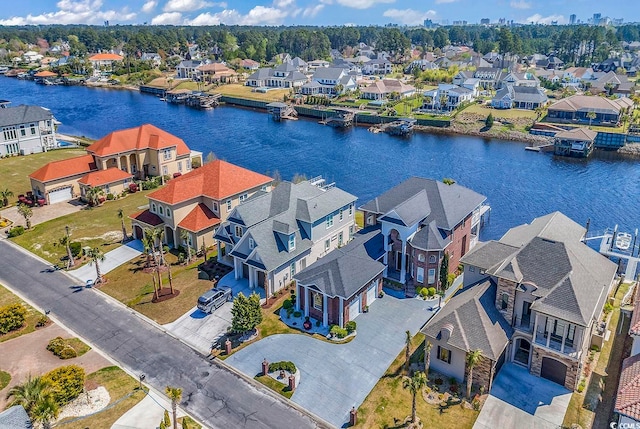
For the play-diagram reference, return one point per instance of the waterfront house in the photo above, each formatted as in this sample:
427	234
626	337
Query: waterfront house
104	62
141	152
519	97
286	75
550	288
577	142
382	89
216	73
111	181
578	108
197	202
520	79
489	77
329	81
628	394
26	130
421	220
341	285
448	97
378	66
420	64
249	64
274	235
188	69
152	58
577	76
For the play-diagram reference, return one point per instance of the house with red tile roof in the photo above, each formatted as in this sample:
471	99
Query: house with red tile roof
137	152
104	62
197	202
627	404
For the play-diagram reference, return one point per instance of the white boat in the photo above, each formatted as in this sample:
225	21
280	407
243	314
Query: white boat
623	240
4	69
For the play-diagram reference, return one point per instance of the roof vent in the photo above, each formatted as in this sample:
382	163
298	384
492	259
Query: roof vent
446	331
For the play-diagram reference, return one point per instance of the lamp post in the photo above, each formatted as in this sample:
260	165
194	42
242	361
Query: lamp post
141	378
71	262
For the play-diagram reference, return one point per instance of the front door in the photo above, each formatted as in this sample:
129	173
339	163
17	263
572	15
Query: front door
526	313
398	261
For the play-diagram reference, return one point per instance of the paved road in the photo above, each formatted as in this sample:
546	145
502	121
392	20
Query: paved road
112	260
213	394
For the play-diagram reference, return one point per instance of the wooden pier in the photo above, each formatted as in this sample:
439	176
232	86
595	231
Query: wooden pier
344	118
155	90
203	100
402	127
620	247
280	111
178	96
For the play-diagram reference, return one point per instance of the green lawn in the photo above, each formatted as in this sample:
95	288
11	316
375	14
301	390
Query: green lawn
501	113
14	171
130	285
120	385
96	227
389	402
5	379
275	385
7	298
242	91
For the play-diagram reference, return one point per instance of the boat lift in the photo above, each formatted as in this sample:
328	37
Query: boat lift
620	246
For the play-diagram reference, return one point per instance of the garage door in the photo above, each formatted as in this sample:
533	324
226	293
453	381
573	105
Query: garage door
553	370
60	195
371	293
354	309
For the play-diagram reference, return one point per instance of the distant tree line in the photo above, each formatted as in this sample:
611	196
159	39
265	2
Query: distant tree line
578	45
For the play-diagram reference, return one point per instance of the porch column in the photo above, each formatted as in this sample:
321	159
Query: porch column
237	268
250	277
307	301
325	313
118	163
385	257
298	296
535	327
341	321
403	269
564	335
548	331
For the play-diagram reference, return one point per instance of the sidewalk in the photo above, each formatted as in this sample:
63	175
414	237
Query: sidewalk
146	414
112	260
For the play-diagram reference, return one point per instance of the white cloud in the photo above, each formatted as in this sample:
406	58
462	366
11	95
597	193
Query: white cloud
185	5
539	19
445	1
281	4
149	6
167	18
73	12
409	16
520	4
362	4
312	11
259	15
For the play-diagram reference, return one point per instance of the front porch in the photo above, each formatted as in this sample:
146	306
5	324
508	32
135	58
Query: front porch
238	285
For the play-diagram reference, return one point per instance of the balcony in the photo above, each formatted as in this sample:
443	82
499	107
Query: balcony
524	324
555	343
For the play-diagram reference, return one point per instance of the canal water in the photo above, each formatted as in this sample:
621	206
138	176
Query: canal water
519	185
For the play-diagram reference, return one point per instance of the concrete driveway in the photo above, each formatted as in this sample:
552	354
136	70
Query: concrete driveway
44	213
521	400
112	260
336	377
147	413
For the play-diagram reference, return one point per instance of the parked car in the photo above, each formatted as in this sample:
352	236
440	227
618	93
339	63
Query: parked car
214	298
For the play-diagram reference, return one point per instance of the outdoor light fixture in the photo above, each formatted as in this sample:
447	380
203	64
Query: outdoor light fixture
141	377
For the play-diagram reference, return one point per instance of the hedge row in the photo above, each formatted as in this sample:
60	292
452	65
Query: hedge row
12	317
59	347
284	366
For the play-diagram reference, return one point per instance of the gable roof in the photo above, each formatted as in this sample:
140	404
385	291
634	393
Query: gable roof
328	73
587	103
448	204
145	216
628	395
570	279
23	114
217	179
64	168
145	136
106	57
579	133
104	177
15	418
477	324
348	269
201	217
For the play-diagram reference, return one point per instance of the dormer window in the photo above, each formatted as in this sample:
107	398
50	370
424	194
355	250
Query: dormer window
292	242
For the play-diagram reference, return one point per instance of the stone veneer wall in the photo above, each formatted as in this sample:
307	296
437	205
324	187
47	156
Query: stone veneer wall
573	371
482	373
509	287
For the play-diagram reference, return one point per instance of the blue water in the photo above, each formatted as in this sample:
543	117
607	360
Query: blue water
519	185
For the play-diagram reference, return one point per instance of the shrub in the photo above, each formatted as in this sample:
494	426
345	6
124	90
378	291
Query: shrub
595	348
16	231
489	121
68	353
381	294
438	381
338	331
110	196
450	279
608	308
282	366
12	317
56	345
76	248
66	382
431	291
350	326
297	314
424	292
42	321
287	304
581	386
289	312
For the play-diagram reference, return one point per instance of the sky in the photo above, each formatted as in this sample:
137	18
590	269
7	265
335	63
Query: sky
307	12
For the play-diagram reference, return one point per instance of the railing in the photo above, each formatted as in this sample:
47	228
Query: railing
555	343
524	323
473	241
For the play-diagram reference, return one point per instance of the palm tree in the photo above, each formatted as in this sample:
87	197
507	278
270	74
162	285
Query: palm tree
96	255
124	229
473	358
30	394
591	115
414	385
66	241
26	212
407	351
5	194
45	411
147	245
186	237
93	196
175	394
427	356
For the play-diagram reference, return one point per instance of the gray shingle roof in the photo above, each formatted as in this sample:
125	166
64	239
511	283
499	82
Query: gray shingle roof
23	115
15	418
477	325
488	254
448	204
261	74
346	270
328	73
430	238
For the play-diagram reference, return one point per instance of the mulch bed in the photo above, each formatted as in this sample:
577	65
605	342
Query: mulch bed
165	294
149	270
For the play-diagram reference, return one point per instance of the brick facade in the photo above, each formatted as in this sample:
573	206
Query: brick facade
460	241
573	366
508	287
482	373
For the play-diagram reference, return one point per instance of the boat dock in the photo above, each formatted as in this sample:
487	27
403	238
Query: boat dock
621	247
280	111
203	100
344	118
402	127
